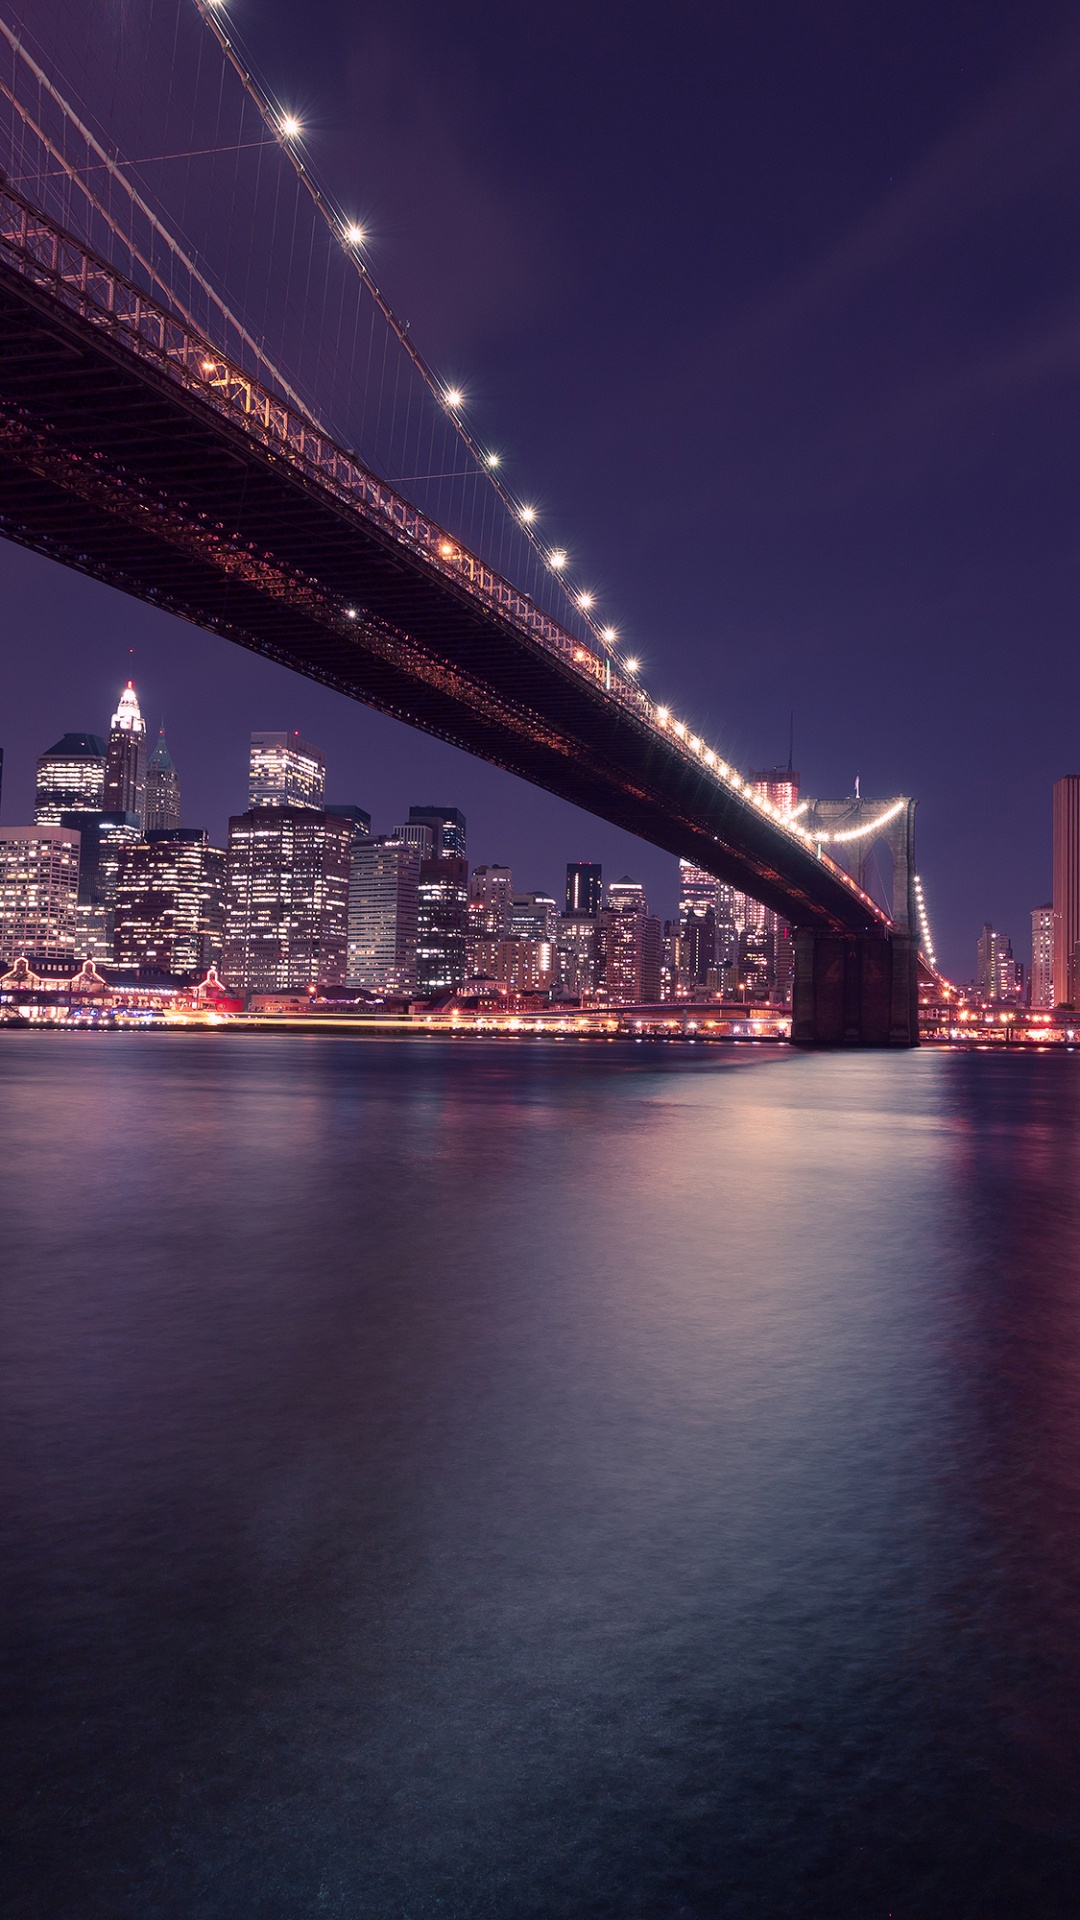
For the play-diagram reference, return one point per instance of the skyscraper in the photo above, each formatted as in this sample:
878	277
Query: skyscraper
285	771
631	944
287	899
491	892
1067	889
781	786
39	890
162	789
442	920
584	887
997	974
1042	956
125	765
70	778
384	906
447	830
577	940
170	902
532	916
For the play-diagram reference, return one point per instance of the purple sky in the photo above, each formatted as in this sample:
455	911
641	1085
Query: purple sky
776	310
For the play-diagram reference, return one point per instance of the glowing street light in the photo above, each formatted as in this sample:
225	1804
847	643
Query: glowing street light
355	236
609	634
585	600
633	666
491	459
290	126
558	559
454	397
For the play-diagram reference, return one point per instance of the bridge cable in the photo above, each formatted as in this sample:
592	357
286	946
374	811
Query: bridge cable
339	225
147	212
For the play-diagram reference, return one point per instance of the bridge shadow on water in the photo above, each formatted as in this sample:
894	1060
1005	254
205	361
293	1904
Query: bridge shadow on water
521	1479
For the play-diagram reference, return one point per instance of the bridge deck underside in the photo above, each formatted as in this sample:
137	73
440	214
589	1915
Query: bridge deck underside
110	466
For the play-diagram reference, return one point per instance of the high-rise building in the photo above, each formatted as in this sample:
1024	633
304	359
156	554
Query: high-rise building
170	902
384	908
125	765
578	954
39	891
70	778
103	838
998	976
584	887
442	923
447	830
491	893
287	899
518	966
1042	956
778	784
631	946
162	789
285	771
1067	890
416	833
532	916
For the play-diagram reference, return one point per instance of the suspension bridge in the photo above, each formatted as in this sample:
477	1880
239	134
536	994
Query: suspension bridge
150	439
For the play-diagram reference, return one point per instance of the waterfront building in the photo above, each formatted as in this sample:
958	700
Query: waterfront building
125	764
285	770
1042	956
1067	890
584	887
447	830
39	892
384	911
162	789
170	902
287	899
70	778
442	923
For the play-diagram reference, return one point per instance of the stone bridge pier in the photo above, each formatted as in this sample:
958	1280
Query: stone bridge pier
855	990
861	989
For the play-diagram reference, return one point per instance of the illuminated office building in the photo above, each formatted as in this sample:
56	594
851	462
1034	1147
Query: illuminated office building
997	974
447	830
1042	956
125	765
631	942
780	785
284	770
1067	890
442	923
384	913
577	939
584	887
39	891
170	902
518	966
532	916
70	778
287	899
162	789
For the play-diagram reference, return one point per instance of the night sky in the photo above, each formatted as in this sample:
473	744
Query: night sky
776	312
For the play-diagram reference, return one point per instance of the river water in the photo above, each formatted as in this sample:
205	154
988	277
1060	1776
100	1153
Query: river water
515	1478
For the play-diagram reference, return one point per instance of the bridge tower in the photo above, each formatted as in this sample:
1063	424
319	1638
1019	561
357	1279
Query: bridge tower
861	989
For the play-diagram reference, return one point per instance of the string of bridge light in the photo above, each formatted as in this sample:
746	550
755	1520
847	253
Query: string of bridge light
924	922
287	130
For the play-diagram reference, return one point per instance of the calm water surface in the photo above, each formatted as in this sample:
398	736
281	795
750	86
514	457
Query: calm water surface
538	1479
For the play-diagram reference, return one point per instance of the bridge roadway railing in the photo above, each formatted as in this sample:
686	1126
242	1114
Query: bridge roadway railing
63	266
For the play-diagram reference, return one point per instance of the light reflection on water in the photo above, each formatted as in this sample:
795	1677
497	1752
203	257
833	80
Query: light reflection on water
521	1479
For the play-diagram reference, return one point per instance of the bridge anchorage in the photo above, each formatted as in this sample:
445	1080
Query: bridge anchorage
137	449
